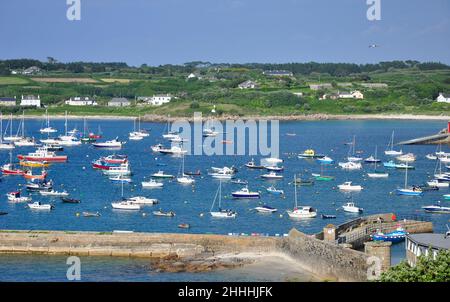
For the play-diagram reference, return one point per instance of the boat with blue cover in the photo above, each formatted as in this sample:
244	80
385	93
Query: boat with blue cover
396	236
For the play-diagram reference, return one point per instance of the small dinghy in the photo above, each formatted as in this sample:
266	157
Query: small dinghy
3	213
91	214
164	214
437	208
184	226
274	168
70	200
39	206
266	209
326	216
239	182
252	165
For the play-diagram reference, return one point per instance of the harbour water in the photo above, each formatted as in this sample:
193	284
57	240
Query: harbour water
189	202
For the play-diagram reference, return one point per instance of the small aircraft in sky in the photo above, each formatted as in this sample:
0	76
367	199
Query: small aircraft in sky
373	46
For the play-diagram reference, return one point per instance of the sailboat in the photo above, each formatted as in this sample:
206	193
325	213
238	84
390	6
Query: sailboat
302	211
441	180
321	177
47	129
86	137
184	179
11	137
390	150
135	135
141	132
68	139
125	204
376	173
170	134
24	141
221	213
351	153
3	145
209	131
409	191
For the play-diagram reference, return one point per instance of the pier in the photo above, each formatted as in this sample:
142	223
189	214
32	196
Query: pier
443	137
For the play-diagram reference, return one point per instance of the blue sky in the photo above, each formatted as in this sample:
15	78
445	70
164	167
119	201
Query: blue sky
237	31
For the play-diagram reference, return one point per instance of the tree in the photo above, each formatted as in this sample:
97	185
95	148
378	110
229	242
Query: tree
426	270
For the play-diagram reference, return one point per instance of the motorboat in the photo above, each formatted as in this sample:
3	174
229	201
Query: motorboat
274	168
42	154
265	209
152	184
245	193
325	160
39	206
54	193
173	150
275	191
120	178
125	205
142	200
437	208
17	197
39	186
352	208
272	175
123	169
161	174
350	165
252	165
29	175
371	159
328	216
310	153
164	214
113	144
221	175
115	159
396	236
409	157
347	186
10	169
69	200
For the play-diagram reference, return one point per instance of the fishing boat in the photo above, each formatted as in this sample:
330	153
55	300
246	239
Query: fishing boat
325	160
274	168
328	216
69	200
142	200
91	214
183	178
409	157
54	193
29	175
275	191
350	165
42	185
125	205
10	168
245	193
120	178
42	154
302	211
152	184
390	149
39	206
115	159
409	191
310	153
17	197
47	129
347	186
352	208
437	208
221	213
271	175
3	145
112	144
396	236
265	209
239	182
164	214
161	174
375	173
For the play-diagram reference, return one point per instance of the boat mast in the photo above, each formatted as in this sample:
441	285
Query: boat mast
10	126
23	124
295	191
1	127
406	176
65	123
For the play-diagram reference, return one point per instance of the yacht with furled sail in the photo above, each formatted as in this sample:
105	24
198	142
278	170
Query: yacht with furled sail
390	149
351	152
47	129
221	213
183	178
11	137
3	145
409	191
170	134
376	173
300	211
24	141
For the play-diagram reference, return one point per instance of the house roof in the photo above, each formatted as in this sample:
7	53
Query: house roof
30	97
445	95
119	100
7	99
433	240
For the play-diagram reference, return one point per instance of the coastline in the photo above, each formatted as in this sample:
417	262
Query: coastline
310	117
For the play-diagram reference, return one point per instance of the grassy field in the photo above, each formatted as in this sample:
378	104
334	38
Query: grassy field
13	81
64	80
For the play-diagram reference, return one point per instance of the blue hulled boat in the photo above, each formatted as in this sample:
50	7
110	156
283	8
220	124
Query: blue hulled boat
395	236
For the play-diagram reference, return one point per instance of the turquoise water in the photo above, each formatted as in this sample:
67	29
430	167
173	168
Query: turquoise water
97	192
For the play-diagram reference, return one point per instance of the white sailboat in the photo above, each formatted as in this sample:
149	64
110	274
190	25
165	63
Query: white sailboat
351	153
135	135
67	139
183	178
302	211
221	213
170	134
125	204
11	137
25	141
3	145
390	150
375	173
409	191
47	129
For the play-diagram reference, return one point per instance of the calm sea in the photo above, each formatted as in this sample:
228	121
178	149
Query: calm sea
97	192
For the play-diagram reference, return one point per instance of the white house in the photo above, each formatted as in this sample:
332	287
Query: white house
357	94
345	95
30	100
81	101
248	85
160	99
351	95
191	76
443	98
